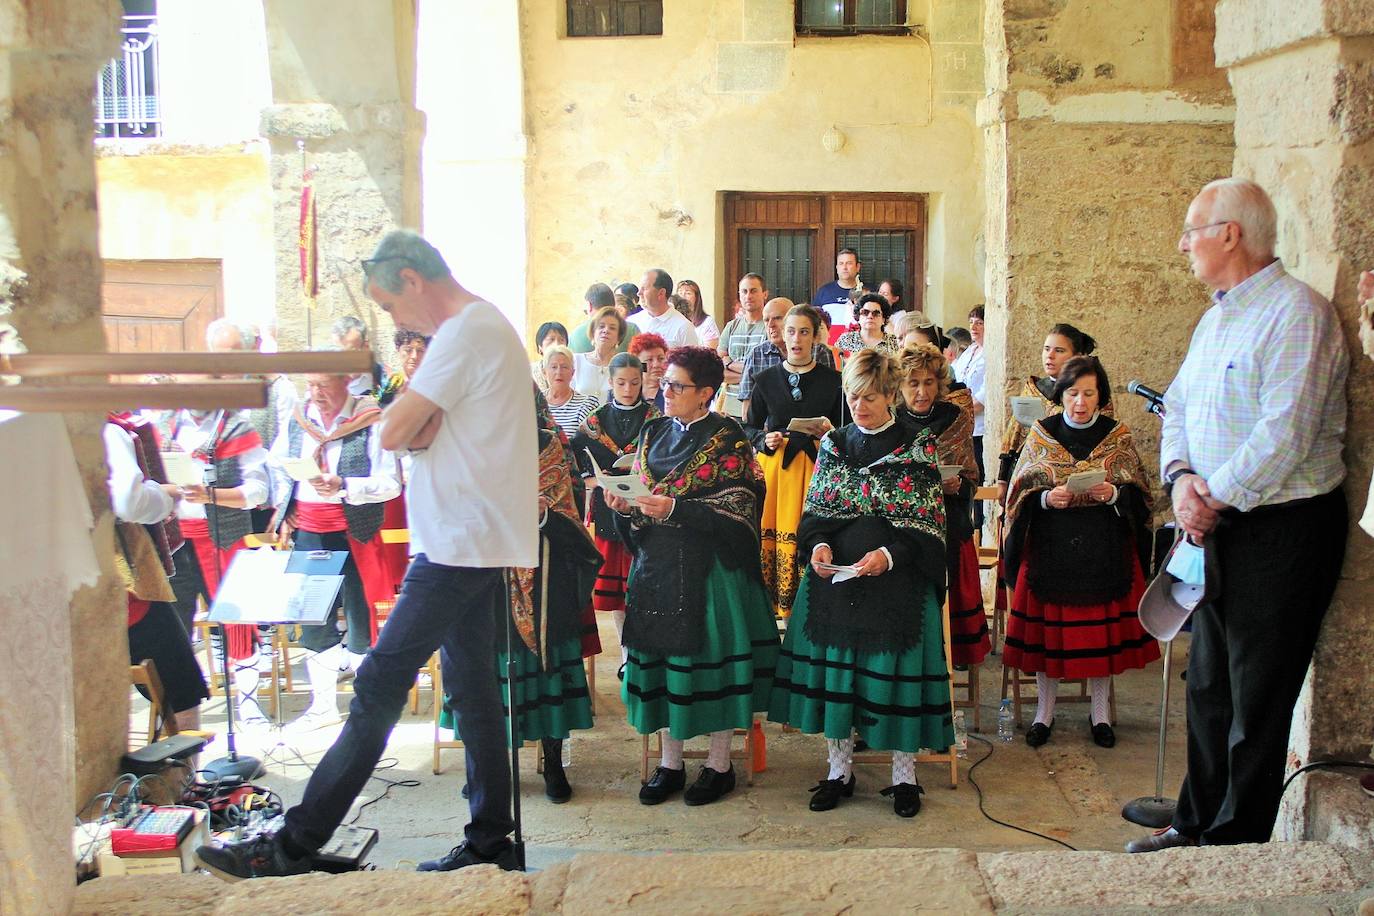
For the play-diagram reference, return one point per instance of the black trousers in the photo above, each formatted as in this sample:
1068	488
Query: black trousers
1250	652
459	609
357	612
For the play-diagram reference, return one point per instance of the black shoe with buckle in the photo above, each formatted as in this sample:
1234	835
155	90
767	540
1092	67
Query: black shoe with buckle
261	856
463	855
828	791
1103	736
710	786
906	798
1039	733
662	784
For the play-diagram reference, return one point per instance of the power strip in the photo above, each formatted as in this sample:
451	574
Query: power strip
346	849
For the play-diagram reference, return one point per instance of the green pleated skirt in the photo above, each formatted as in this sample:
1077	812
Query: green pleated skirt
723	684
896	701
551	702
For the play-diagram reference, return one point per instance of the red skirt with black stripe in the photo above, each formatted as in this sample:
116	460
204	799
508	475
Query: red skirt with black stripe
1072	641
969	642
609	593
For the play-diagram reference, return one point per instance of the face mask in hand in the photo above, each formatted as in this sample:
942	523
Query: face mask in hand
1187	564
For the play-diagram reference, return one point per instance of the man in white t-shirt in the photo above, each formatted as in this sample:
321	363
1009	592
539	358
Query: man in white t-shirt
657	316
467	418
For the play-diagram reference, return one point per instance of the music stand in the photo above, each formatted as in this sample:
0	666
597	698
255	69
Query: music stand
278	587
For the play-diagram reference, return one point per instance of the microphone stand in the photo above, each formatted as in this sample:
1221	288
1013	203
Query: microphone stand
514	721
232	765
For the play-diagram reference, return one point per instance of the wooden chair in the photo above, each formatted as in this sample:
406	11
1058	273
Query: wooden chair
162	722
1015	680
745	754
988	558
950	755
446	744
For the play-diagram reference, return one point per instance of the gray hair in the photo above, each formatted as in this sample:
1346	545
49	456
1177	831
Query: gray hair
1240	200
399	249
342	327
247	335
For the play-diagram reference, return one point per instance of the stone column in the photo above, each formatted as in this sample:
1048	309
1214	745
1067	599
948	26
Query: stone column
50	274
1087	184
1303	76
343	77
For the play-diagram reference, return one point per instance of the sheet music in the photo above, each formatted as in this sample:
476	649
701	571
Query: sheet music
182	470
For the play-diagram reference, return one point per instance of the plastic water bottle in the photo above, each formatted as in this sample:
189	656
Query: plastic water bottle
960	736
1005	727
567	751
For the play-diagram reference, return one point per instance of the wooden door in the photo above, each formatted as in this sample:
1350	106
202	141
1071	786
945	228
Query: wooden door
157	306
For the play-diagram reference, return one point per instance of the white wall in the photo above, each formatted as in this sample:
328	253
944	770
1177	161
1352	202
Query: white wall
213	70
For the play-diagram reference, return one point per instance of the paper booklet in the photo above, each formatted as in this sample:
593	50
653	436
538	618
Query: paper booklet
950	471
812	426
1027	409
182	469
624	462
626	486
842	573
1084	481
301	469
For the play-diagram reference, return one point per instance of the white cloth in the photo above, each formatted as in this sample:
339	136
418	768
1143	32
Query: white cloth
1047	692
672	326
708	330
591	379
971	368
472	496
133	498
382	484
46	554
191	433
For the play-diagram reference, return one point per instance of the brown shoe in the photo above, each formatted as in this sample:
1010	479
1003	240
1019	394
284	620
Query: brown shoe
1160	839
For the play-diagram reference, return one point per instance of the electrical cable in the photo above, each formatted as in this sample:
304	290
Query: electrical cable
983	811
1322	765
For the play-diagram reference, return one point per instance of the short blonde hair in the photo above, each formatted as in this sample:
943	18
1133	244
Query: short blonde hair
908	322
558	350
601	315
925	358
872	370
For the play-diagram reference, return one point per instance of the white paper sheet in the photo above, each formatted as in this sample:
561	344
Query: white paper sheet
950	471
182	470
626	486
1027	409
1084	481
299	469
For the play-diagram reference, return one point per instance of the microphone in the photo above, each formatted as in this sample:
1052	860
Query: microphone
1154	399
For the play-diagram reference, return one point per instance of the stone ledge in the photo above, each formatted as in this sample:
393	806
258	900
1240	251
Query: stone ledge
1247	29
1274	877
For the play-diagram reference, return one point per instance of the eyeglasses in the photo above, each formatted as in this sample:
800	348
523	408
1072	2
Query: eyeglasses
370	263
794	379
871	313
677	387
1189	230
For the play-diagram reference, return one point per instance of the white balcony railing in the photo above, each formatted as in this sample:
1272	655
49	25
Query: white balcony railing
126	92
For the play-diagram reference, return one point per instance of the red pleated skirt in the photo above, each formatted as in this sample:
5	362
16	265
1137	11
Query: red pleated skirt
609	593
969	642
591	637
1073	641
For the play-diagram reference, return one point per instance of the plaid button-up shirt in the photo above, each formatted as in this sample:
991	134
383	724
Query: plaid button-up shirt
1258	406
766	356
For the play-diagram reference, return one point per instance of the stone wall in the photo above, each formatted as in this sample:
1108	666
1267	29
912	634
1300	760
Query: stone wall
634	139
1093	154
50	276
343	83
1303	77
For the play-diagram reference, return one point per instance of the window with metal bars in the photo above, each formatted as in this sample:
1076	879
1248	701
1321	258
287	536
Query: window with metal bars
782	257
851	17
612	18
883	253
127	97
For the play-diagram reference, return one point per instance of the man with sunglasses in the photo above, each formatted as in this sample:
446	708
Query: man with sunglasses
772	351
473	513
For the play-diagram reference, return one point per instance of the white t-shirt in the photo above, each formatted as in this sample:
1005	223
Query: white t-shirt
672	326
707	330
591	379
473	495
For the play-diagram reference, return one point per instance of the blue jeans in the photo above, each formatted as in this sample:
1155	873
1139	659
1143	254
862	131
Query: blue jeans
457	608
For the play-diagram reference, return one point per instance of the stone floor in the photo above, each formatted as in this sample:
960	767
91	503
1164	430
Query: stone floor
762	850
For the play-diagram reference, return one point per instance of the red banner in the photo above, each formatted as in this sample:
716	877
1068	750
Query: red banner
310	283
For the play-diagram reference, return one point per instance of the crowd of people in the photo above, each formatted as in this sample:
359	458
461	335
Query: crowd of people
807	467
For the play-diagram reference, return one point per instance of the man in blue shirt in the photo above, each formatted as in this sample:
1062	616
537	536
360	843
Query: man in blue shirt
833	297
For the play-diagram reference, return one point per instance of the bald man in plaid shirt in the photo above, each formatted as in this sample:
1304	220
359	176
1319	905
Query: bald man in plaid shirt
1252	453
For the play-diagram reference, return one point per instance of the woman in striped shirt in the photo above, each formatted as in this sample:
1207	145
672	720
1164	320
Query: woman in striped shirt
569	408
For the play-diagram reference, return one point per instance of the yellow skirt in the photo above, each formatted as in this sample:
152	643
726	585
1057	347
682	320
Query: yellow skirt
782	512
